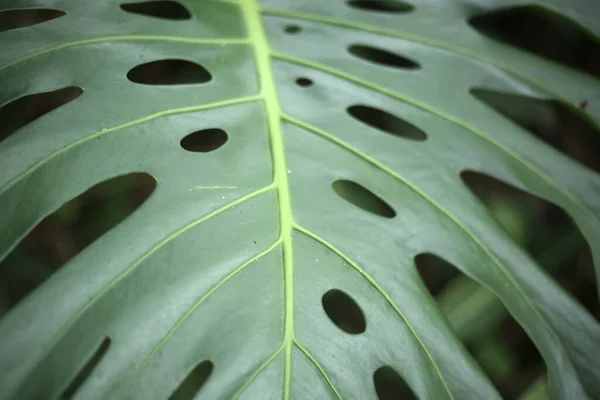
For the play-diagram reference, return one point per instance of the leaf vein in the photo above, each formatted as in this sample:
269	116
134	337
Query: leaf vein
318	366
385	295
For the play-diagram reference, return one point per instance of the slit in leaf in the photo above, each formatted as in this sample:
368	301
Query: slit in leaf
344	312
204	141
192	384
170	10
544	33
550	121
169	72
545	231
386	122
389	385
381	57
381	6
363	198
14	19
493	337
26	109
86	371
292	29
65	233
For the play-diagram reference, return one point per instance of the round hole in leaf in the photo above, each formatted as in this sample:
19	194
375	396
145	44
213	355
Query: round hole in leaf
205	140
171	10
386	122
292	29
13	19
304	82
363	198
169	72
344	312
381	57
382	6
389	385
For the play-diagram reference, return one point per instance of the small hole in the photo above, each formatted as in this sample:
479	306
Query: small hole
383	6
344	312
69	230
87	370
363	198
292	29
549	120
169	72
191	385
205	140
381	57
304	82
27	109
158	9
13	19
386	122
389	385
544	33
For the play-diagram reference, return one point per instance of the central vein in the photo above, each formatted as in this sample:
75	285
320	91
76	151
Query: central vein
268	92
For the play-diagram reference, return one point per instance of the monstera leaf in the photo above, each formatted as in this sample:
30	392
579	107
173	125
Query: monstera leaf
301	154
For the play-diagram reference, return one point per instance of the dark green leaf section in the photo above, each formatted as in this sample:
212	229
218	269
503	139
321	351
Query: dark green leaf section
278	246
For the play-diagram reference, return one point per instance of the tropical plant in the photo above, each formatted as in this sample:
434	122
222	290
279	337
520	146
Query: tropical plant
295	158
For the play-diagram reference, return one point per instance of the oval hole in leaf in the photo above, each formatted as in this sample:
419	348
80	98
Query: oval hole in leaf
169	72
26	109
544	33
192	384
389	385
13	19
363	198
551	121
344	312
205	140
384	6
545	231
292	29
65	233
87	370
386	122
304	82
493	337
171	10
381	57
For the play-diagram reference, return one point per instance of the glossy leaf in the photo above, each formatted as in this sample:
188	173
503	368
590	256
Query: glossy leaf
227	263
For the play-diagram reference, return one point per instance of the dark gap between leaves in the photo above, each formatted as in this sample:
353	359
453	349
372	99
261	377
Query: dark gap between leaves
69	230
170	10
495	340
86	370
14	19
545	231
26	109
169	72
363	198
344	312
549	120
544	33
192	384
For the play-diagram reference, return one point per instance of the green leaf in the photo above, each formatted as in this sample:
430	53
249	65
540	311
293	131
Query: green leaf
220	276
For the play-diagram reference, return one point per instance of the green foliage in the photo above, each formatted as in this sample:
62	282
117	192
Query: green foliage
304	154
